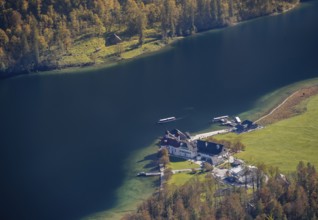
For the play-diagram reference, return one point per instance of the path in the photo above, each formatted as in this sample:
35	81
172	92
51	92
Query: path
276	107
185	170
208	134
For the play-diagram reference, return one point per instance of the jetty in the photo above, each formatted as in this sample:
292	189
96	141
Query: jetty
149	174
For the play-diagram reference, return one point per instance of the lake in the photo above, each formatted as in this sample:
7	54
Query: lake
70	144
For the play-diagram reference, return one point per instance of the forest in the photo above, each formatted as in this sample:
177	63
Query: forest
34	34
273	196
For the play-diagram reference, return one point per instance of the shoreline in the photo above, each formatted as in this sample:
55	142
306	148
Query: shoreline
269	103
290	106
108	63
114	60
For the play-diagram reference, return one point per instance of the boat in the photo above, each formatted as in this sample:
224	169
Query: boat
165	120
220	118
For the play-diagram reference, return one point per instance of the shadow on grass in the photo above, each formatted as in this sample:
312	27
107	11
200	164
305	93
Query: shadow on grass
176	159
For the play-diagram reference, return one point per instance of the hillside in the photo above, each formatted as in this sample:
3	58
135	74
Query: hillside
41	35
294	198
283	144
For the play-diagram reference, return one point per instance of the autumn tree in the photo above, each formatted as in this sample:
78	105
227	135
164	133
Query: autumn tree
188	15
207	167
169	18
141	23
163	155
204	15
131	12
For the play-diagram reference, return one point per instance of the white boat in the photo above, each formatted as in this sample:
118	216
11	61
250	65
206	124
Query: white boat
165	120
220	118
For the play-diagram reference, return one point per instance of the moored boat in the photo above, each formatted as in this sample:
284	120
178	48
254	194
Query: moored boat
165	120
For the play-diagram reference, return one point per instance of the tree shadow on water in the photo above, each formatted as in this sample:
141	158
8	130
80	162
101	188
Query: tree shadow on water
152	164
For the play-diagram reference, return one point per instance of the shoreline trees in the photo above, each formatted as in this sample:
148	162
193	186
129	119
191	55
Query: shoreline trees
291	197
35	33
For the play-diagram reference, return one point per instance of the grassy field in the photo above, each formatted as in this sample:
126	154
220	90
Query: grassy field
284	143
266	103
178	163
181	178
94	50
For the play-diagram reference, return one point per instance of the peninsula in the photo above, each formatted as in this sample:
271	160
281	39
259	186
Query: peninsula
232	189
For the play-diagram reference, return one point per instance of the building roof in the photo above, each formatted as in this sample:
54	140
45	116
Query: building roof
170	141
209	148
176	139
178	133
239	128
237	119
248	123
245	126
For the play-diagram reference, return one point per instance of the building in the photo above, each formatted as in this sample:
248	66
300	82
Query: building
180	144
243	174
238	120
245	126
113	39
211	152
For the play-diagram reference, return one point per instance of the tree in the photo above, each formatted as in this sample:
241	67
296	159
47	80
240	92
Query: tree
231	208
301	203
188	15
207	167
163	152
169	18
163	155
4	39
141	23
204	15
99	27
153	12
167	173
260	175
119	49
64	36
131	13
35	37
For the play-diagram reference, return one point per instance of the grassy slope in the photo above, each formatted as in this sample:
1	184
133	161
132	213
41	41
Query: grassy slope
83	50
284	143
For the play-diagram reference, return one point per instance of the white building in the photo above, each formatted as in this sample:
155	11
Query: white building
180	144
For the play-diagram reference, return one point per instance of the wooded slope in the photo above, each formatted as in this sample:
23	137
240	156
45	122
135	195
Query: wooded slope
35	33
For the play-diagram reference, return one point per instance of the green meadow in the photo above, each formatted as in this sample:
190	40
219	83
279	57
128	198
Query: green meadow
179	179
285	143
178	164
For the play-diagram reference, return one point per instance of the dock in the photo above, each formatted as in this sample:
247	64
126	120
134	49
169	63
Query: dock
149	174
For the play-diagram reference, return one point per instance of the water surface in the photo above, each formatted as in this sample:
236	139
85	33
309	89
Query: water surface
69	142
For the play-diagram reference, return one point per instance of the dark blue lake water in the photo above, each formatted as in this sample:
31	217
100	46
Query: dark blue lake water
65	139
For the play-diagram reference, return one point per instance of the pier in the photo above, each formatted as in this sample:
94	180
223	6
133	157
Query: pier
149	174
